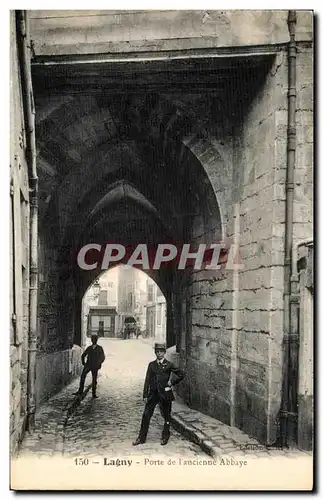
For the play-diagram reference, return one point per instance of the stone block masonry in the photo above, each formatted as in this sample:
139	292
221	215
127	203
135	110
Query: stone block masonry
55	370
129	31
263	126
250	393
19	251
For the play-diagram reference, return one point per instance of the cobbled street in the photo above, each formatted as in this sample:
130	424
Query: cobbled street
109	424
100	432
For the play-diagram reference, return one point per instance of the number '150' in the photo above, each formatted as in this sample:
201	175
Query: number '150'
81	461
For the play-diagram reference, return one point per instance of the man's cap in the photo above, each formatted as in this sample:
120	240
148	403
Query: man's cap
159	345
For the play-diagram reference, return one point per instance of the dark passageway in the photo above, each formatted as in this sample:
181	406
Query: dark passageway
110	170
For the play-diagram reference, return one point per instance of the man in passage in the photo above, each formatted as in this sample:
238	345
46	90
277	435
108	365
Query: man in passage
92	359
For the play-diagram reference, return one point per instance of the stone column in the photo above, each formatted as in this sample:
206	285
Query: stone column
305	384
235	317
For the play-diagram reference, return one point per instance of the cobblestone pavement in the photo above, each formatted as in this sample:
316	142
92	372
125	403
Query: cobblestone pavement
220	439
109	424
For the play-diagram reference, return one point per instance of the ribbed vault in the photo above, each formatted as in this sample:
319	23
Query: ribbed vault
117	166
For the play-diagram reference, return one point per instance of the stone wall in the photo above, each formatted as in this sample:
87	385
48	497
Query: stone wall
303	252
49	375
306	347
235	323
58	360
56	294
234	365
303	195
208	299
19	250
111	32
55	370
261	209
48	284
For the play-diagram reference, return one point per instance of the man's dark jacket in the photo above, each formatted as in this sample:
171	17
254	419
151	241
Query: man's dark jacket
157	378
95	356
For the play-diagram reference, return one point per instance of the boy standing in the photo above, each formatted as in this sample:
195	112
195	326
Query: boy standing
158	389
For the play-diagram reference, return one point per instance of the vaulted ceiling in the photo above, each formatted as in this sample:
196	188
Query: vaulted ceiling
111	159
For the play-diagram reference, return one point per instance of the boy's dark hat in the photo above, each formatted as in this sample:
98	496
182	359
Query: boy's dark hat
160	346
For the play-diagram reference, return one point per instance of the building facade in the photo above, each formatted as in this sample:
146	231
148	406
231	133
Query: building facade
19	244
103	292
132	296
156	312
101	321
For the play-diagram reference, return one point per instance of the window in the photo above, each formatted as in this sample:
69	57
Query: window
130	300
159	314
24	231
103	298
150	293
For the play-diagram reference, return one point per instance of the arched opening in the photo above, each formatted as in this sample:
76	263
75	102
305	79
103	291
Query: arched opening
124	303
144	174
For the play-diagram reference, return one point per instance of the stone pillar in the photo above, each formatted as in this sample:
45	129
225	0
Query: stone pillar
178	320
170	322
305	379
235	317
183	335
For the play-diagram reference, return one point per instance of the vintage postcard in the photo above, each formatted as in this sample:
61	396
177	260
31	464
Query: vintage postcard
161	250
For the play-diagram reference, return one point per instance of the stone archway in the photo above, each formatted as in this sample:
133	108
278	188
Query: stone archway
154	166
126	192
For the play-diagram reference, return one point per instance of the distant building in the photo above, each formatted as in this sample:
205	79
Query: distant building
102	321
155	311
132	293
109	288
104	292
